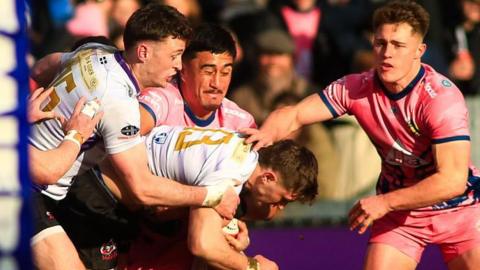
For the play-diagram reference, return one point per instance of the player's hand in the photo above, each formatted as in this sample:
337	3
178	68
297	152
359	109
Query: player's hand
228	205
81	122
241	241
266	264
34	113
260	138
367	210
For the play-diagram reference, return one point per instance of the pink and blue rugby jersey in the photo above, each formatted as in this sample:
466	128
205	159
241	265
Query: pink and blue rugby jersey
404	126
167	108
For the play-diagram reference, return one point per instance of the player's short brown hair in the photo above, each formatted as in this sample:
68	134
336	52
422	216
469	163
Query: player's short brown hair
155	22
404	11
297	166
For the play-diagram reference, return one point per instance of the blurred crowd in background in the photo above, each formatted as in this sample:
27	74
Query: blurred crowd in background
288	49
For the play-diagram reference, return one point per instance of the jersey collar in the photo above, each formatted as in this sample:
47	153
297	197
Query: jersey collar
123	64
405	91
198	122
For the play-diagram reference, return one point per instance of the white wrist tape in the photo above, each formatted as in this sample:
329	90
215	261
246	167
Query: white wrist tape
91	108
215	193
74	136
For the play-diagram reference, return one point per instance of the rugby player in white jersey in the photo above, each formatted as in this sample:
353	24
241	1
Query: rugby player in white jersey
271	178
154	40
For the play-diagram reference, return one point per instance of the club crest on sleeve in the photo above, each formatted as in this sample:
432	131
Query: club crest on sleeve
130	130
160	138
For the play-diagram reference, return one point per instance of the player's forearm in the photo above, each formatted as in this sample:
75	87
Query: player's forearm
206	240
144	188
431	190
282	122
46	167
234	261
154	190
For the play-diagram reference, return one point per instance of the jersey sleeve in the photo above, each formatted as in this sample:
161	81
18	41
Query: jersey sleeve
120	125
335	97
155	103
251	123
447	117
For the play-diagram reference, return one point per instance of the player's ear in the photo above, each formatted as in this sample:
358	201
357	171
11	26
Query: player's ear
420	50
269	176
142	51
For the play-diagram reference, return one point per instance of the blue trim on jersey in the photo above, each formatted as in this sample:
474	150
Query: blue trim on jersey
150	111
199	122
405	90
473	186
328	104
451	139
123	64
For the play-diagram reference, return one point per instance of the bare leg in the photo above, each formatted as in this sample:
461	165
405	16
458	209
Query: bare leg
381	256
56	252
469	260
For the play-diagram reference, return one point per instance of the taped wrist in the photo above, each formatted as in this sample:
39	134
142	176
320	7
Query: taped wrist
215	193
74	136
253	264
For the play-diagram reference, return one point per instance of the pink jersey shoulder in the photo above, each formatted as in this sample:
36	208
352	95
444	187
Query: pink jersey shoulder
161	102
340	94
235	117
444	107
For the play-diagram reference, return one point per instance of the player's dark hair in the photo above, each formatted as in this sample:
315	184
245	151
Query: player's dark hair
212	38
93	39
297	166
155	22
404	11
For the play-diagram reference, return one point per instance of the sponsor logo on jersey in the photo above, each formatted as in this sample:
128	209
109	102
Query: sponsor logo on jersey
446	83
130	131
234	112
108	250
398	155
413	127
87	70
160	138
103	60
430	91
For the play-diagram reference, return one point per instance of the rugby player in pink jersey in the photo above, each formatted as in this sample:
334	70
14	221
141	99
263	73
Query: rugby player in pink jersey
197	96
427	191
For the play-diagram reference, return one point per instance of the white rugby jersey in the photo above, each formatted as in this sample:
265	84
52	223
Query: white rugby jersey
98	72
199	157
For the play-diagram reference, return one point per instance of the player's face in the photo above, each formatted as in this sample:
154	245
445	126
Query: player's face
270	197
257	209
205	80
397	53
164	60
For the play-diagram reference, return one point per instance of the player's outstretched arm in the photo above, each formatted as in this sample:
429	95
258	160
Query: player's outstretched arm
448	182
46	167
206	240
148	189
281	122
